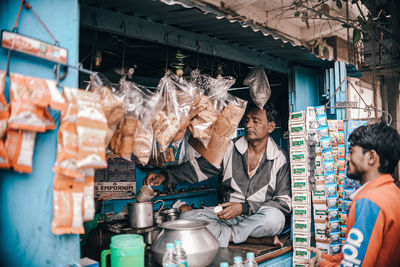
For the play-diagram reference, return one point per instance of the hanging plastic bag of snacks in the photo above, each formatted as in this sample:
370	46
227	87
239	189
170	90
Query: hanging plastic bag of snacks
260	90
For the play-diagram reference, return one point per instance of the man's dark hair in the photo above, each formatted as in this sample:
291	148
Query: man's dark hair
272	114
381	138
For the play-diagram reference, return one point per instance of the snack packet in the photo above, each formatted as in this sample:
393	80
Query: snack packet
20	146
260	90
67	205
88	207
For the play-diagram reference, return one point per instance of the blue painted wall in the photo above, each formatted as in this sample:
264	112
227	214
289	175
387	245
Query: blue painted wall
306	85
26	200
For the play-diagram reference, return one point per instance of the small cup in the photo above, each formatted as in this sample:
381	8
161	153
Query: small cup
146	193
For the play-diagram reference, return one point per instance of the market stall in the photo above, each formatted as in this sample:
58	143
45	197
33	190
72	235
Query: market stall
137	116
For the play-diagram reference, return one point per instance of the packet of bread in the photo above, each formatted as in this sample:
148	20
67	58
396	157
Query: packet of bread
67	205
231	109
259	88
136	135
178	96
113	106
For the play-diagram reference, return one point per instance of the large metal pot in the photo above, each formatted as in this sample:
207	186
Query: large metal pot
141	214
200	245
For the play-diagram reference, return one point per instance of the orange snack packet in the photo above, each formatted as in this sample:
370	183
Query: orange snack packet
67	205
36	91
48	120
3	102
20	146
67	151
4	163
92	127
26	116
88	208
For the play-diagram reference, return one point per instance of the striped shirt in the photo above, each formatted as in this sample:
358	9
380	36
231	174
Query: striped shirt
270	185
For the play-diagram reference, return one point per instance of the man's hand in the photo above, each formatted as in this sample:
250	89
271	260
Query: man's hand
154	179
230	211
317	259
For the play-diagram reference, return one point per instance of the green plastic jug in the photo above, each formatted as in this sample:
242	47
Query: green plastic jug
126	251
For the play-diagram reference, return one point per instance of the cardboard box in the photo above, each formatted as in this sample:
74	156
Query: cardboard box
300	184
297	129
302	212
301	240
298	156
301	253
114	189
299	170
298	116
301	226
320	211
323	246
298	143
319	196
300	198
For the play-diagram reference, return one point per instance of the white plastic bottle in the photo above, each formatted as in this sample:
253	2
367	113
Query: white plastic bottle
168	258
238	262
180	255
250	261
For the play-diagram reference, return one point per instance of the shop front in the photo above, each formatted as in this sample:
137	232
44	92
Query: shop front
139	40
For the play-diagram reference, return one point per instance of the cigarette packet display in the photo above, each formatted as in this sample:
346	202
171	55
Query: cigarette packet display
319	196
324	246
300	263
301	212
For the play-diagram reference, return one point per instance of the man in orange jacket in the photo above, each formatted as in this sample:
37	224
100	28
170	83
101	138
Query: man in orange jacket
373	225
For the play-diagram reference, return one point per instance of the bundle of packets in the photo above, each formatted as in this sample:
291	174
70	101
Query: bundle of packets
346	185
300	165
326	196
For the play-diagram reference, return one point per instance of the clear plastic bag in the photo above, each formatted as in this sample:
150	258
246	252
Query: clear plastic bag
135	135
230	111
260	90
178	96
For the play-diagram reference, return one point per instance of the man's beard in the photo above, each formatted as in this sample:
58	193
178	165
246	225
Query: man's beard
355	175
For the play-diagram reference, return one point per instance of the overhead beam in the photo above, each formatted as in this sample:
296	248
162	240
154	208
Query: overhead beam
130	26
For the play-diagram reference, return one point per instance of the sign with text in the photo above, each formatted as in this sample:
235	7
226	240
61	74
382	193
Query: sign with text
27	45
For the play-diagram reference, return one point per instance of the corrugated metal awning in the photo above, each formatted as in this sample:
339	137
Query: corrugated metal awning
191	16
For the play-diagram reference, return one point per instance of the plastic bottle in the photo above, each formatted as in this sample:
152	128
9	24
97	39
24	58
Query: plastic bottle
180	254
250	261
168	258
223	264
238	262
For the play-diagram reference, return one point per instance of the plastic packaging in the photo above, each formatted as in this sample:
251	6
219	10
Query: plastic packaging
168	258
67	206
88	206
20	146
178	96
180	255
3	101
250	260
237	262
260	90
141	107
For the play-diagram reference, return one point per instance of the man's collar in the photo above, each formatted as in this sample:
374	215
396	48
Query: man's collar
271	151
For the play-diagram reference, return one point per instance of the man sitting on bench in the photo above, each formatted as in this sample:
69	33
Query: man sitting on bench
256	186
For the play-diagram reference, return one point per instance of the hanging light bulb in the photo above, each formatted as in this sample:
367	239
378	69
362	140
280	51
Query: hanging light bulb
98	58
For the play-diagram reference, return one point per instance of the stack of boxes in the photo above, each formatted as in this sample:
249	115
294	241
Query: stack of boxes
318	148
301	197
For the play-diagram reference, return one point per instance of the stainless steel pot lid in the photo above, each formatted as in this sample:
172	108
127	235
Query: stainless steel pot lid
184	224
